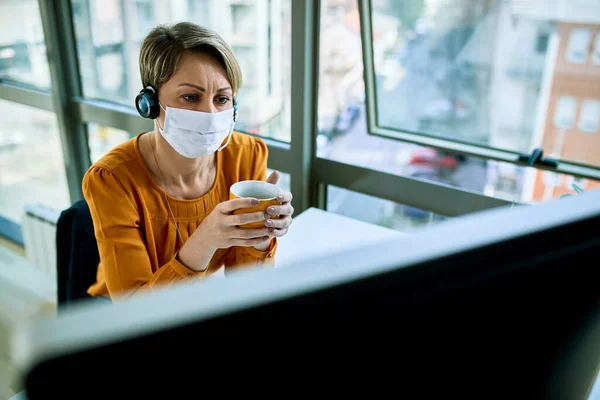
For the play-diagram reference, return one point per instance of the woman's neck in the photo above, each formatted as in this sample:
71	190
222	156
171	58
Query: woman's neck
176	170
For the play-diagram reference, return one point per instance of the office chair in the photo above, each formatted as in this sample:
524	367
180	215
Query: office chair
77	254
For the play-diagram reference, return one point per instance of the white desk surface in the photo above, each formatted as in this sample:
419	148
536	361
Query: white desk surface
317	232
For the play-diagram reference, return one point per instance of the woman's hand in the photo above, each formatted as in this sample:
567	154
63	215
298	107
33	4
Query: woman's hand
284	210
220	230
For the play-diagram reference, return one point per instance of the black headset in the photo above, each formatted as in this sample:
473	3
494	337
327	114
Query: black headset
146	103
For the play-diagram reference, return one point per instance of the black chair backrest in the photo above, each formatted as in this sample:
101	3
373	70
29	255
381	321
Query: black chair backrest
77	253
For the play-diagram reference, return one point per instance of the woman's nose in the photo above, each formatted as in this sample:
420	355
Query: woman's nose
207	106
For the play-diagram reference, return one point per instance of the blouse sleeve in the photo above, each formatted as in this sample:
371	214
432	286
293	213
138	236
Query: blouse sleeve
120	237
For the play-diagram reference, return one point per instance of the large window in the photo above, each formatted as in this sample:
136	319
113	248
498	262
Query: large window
31	163
22	48
110	32
32	169
428	55
434	104
489	73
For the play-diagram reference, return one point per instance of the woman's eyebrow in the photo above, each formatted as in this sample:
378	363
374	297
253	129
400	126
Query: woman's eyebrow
200	88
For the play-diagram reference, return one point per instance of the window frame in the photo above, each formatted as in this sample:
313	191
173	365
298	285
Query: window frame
421	138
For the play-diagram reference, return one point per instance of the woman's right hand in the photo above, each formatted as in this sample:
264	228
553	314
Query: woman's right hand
220	230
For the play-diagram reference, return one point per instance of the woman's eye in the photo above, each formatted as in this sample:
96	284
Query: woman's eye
190	97
222	100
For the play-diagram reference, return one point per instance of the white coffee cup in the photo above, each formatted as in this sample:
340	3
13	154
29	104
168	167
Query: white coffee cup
265	192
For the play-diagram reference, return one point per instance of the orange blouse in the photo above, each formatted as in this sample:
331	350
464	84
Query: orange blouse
137	239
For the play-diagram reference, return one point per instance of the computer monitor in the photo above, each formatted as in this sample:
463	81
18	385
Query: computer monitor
497	304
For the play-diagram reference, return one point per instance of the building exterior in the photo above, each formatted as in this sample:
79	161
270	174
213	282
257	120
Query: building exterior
569	118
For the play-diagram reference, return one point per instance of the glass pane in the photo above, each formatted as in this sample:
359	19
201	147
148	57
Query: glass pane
378	211
22	48
110	33
101	139
284	180
483	72
343	134
32	169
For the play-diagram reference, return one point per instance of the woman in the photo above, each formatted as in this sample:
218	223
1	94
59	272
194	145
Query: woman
159	201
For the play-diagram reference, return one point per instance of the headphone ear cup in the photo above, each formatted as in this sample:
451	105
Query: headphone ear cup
146	103
235	110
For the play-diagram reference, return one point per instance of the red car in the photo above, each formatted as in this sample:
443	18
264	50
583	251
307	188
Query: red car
431	158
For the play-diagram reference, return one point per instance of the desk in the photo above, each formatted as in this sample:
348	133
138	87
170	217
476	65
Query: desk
316	232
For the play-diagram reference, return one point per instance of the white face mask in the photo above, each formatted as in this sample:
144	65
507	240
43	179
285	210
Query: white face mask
196	134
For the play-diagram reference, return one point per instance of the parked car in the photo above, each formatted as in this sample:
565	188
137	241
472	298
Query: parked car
331	125
347	118
428	157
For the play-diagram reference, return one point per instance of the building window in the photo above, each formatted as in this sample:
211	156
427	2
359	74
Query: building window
541	44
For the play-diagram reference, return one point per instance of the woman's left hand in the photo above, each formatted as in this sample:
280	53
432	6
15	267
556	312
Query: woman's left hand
284	210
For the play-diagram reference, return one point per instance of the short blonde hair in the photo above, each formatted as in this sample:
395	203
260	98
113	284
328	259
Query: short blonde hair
164	45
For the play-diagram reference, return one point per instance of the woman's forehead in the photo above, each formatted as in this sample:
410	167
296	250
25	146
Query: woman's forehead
201	68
